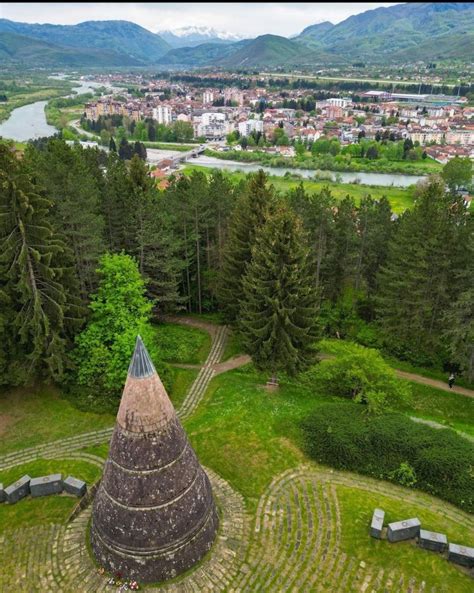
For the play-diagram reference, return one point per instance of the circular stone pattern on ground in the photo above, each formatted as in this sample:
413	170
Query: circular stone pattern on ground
55	558
292	545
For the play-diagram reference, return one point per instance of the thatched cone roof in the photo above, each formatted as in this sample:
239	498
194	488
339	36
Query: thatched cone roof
153	515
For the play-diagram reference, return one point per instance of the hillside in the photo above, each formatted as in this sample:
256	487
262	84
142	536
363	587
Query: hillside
398	31
119	36
24	50
266	50
202	55
312	35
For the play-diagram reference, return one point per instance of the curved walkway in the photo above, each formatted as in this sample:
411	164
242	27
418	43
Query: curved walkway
293	544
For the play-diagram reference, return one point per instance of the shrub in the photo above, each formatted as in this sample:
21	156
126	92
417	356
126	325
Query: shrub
360	374
393	447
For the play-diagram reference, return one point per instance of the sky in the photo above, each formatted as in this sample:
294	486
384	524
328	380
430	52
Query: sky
240	18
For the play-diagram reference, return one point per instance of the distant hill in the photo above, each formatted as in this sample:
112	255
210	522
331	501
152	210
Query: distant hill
119	36
24	50
266	50
203	55
396	32
194	36
312	34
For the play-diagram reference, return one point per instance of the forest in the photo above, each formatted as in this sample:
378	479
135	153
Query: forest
92	253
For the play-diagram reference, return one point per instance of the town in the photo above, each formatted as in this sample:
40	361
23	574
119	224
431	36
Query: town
284	121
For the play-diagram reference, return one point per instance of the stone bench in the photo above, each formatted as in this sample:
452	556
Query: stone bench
74	486
18	490
403	530
45	485
461	555
376	525
430	540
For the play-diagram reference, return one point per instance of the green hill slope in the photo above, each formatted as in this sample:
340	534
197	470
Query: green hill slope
119	36
33	52
266	50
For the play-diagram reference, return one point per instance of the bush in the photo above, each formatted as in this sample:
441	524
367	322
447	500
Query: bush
393	447
360	374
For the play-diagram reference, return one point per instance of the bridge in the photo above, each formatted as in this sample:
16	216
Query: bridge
174	160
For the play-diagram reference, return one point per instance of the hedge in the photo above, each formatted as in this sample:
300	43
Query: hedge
343	436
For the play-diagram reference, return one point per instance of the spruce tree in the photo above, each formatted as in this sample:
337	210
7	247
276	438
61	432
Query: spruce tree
71	182
279	305
249	215
34	280
420	279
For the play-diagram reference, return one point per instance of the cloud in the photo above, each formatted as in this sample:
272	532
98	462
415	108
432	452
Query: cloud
240	18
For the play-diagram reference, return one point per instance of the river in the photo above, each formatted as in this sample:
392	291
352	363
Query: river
29	122
382	179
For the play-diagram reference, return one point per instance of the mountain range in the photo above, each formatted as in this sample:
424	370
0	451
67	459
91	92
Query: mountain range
399	33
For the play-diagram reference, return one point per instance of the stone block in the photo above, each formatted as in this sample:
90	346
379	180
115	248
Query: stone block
402	530
461	555
45	485
3	496
437	542
18	490
377	523
74	486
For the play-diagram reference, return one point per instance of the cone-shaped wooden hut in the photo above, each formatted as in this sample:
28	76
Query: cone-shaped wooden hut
153	515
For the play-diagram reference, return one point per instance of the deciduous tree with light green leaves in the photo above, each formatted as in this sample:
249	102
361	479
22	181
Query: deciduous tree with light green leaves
360	374
119	312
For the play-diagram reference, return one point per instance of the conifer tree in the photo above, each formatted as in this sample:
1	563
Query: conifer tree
249	215
33	278
279	305
420	279
317	214
342	257
162	262
117	206
71	183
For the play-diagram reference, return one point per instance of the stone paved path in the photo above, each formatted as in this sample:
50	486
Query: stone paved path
291	545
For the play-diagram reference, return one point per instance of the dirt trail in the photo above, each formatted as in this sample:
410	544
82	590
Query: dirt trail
243	359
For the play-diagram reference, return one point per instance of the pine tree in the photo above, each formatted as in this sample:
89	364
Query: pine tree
33	279
317	213
279	305
117	206
72	185
342	252
249	215
162	262
420	280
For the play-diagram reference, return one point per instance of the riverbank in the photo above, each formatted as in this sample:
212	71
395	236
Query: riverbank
345	164
23	99
400	198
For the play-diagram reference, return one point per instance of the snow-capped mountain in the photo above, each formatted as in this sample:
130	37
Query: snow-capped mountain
192	36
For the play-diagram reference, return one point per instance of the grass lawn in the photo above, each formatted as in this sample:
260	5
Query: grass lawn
45	509
451	409
182	344
233	346
356	512
182	381
247	434
400	198
32	416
